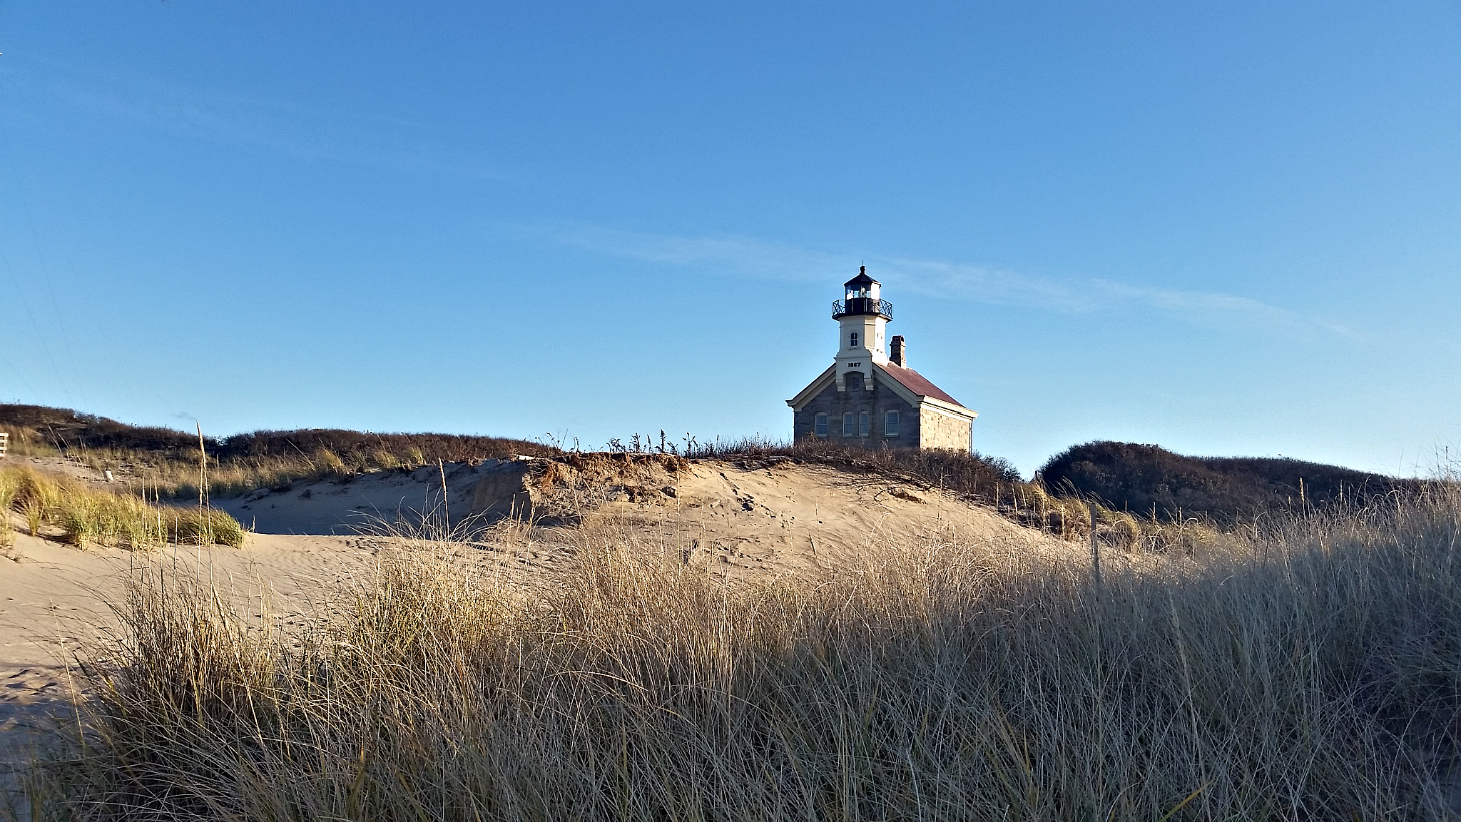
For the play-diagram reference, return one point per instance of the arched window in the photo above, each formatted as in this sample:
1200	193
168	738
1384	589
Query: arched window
847	424
862	424
852	340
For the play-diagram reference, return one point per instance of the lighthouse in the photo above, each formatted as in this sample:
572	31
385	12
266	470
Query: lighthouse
869	397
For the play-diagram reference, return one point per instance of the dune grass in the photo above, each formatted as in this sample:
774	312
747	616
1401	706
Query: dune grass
1311	671
88	515
8	488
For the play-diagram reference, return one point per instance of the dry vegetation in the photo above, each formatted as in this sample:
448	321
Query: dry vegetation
1308	671
1168	487
1143	495
82	514
166	462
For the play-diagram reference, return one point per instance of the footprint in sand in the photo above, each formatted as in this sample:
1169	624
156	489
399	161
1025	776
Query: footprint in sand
26	686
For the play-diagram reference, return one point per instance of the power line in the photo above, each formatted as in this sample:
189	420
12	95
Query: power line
40	337
46	279
23	381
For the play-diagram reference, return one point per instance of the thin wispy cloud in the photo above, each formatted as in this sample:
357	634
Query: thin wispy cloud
1086	295
744	256
756	258
272	125
984	284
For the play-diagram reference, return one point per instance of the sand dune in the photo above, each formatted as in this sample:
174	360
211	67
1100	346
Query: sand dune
747	519
350	505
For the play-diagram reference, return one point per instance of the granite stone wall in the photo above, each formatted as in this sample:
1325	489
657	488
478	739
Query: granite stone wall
855	400
938	430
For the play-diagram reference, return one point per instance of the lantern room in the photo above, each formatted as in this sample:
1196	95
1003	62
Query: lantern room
861	295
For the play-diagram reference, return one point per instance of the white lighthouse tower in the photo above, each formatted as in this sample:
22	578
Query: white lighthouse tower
862	316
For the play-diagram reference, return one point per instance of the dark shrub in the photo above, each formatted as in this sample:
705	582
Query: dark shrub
64	430
1146	479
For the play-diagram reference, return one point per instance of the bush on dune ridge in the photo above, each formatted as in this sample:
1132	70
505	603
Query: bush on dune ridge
41	430
418	448
62	429
1146	479
1310	672
167	461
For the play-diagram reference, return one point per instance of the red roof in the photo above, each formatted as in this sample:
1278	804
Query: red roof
918	384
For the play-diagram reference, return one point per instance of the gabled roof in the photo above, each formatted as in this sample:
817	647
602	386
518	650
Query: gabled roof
906	378
813	388
917	383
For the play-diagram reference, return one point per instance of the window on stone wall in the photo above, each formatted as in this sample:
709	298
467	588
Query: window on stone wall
821	425
890	424
847	424
862	424
853	340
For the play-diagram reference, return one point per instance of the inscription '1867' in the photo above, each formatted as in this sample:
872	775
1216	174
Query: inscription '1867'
854	365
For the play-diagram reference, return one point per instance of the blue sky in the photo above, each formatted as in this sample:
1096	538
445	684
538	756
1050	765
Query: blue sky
1225	228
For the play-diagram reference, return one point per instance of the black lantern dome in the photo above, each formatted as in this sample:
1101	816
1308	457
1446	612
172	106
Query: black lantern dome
861	297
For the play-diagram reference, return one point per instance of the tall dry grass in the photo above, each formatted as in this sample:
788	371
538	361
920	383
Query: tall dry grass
1310	672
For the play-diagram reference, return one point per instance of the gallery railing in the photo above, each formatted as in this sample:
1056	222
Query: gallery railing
862	305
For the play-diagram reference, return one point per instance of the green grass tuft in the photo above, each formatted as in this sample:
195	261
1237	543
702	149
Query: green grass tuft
88	515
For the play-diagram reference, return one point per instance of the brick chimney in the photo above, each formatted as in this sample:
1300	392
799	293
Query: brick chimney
899	353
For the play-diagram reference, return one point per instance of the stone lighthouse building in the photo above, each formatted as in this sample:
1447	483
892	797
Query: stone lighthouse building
873	399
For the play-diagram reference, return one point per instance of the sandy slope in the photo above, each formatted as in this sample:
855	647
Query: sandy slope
808	519
750	519
350	505
55	602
